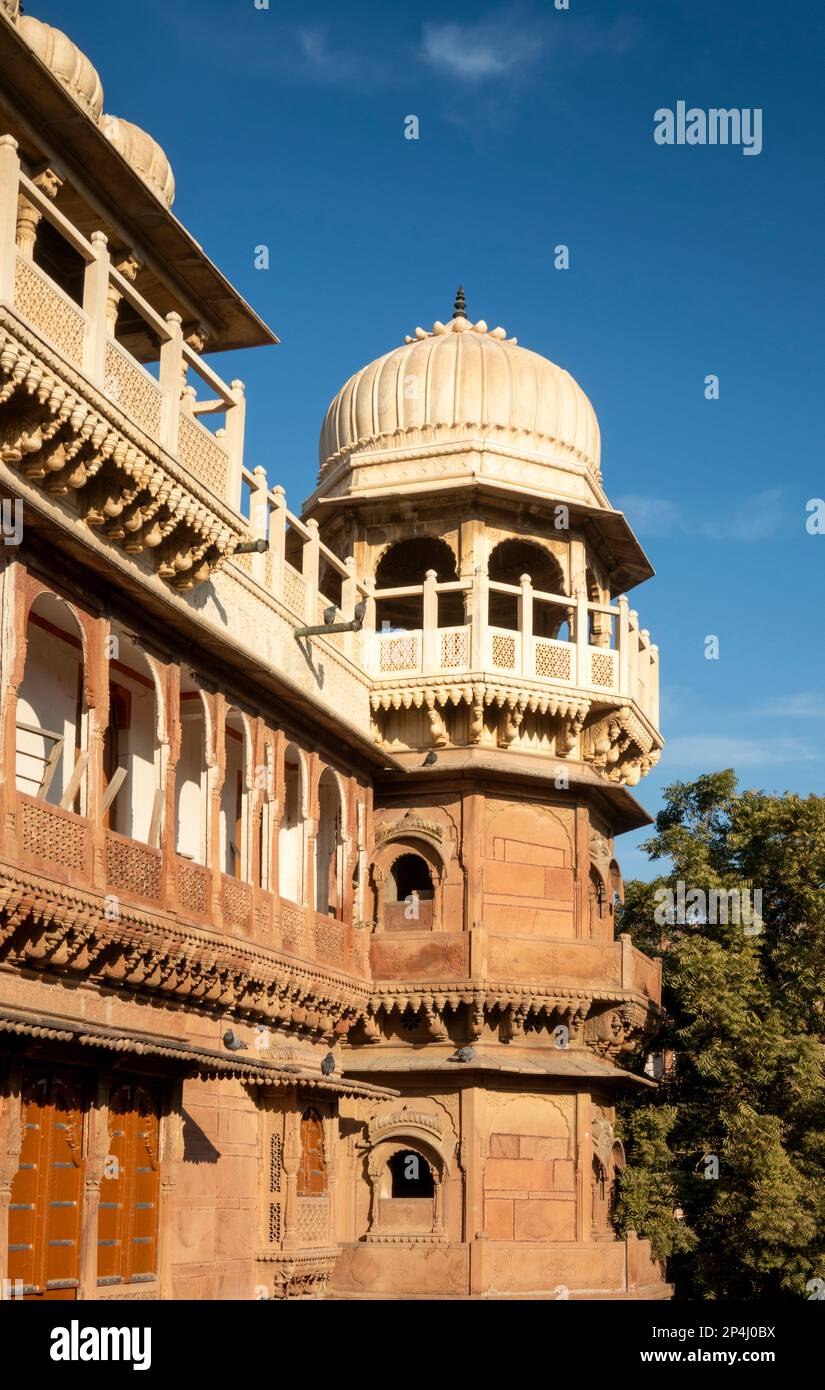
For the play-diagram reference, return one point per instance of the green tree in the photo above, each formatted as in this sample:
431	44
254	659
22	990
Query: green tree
725	1163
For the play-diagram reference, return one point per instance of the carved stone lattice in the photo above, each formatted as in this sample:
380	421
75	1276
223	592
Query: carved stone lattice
454	650
504	651
553	662
203	454
292	926
48	311
235	904
329	939
133	390
399	653
294	590
603	669
193	887
275	1167
313	1220
133	868
51	836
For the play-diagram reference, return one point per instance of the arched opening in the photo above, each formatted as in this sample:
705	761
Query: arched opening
508	562
234	846
409	894
132	796
405	565
329	848
291	835
52	720
312	1169
190	775
410	1175
600	632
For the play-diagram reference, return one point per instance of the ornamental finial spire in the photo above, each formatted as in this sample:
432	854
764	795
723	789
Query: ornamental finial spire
460	308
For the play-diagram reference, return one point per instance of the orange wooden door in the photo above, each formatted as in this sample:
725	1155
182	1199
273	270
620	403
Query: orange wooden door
128	1212
46	1198
312	1174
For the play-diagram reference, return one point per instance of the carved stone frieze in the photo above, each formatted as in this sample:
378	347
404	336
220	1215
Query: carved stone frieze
61	434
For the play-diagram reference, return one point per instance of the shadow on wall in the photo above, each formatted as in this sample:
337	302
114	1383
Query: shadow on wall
197	1148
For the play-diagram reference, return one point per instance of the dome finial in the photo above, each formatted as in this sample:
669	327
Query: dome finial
460	308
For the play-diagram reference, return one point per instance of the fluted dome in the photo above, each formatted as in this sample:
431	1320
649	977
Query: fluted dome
460	383
63	58
144	154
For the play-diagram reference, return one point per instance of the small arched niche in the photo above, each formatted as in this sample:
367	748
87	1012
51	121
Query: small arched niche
407	1181
52	736
409	893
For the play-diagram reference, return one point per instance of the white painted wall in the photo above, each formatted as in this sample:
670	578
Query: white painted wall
47	698
229	805
190	785
291	837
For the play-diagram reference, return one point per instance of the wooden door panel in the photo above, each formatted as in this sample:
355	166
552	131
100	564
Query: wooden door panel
47	1190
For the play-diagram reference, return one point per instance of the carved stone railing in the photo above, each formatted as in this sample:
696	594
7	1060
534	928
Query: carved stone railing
82	417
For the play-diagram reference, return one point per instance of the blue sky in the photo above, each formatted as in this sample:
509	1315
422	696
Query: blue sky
285	126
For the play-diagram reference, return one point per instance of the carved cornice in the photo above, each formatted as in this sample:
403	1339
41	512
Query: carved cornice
65	436
46	925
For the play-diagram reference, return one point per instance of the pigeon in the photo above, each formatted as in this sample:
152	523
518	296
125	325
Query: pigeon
233	1044
465	1054
432	757
328	1065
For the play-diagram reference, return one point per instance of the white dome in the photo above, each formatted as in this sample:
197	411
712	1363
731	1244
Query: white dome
63	58
462	382
144	154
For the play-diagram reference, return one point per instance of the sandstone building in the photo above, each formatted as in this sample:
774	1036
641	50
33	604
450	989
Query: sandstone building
309	982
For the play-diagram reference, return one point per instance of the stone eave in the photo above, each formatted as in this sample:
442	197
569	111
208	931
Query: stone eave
56	125
556	1066
506	764
199	1061
607	529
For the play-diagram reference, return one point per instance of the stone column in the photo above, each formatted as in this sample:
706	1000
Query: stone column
97	1151
584	1162
9	186
291	1158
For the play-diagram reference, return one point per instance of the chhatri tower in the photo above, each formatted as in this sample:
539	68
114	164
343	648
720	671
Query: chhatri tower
309	978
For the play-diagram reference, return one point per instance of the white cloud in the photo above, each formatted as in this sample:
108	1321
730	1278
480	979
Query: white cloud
494	47
753	519
807	704
706	752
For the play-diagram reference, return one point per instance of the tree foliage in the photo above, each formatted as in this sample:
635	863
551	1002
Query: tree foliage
743	1048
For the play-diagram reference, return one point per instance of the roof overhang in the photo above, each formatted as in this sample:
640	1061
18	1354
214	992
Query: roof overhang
626	813
65	135
557	1065
194	1061
608	531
